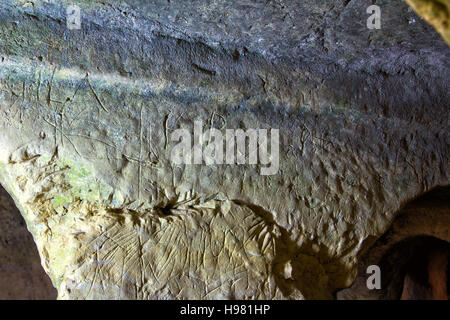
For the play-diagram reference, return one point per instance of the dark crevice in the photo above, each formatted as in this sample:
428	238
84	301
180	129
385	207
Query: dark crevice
413	255
21	273
407	268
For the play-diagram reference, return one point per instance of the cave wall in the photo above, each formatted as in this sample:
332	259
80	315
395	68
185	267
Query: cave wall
85	147
21	274
423	221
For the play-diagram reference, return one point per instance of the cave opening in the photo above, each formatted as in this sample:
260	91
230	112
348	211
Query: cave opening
417	268
21	273
412	255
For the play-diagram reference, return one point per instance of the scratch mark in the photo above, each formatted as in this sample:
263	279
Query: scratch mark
95	95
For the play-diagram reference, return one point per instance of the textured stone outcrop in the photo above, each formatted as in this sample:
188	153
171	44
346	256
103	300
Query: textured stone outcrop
85	145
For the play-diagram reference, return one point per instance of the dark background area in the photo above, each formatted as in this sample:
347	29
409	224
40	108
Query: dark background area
21	273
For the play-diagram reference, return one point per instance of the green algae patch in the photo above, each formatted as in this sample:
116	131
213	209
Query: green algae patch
81	184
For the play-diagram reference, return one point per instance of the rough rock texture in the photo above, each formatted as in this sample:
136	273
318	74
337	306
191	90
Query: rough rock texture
21	273
426	218
436	12
85	141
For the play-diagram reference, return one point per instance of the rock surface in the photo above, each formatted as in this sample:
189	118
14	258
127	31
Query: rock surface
427	217
85	146
436	12
21	273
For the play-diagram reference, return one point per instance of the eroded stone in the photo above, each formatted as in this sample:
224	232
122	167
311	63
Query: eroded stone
85	144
